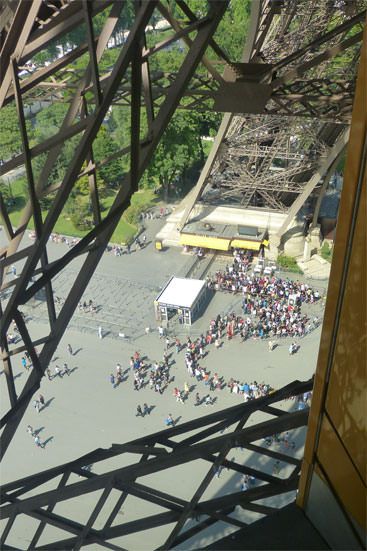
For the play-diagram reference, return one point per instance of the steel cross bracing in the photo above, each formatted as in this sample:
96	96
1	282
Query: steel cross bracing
32	28
299	69
260	156
105	480
27	28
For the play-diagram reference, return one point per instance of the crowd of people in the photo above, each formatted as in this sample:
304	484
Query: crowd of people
115	249
271	306
288	322
156	375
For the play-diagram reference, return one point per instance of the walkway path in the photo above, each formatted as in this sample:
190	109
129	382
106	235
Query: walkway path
85	412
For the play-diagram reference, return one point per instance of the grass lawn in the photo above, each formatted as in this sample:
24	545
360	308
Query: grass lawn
123	233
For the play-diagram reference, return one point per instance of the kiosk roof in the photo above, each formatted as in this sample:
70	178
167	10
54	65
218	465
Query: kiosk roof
180	292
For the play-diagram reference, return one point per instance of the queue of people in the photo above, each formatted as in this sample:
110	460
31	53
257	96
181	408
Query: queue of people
271	306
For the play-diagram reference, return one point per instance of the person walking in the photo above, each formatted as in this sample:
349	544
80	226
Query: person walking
186	389
112	380
146	409
24	362
58	372
209	400
69	349
197	399
100	332
48	372
38	443
167	343
28	358
118	372
169	421
66	369
41	400
177	345
36	405
218	470
197	374
30	430
139	412
244	483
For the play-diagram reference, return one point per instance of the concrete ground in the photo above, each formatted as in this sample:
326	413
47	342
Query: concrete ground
85	412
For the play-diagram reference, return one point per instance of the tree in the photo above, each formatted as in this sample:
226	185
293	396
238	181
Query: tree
47	123
104	146
78	206
178	149
10	142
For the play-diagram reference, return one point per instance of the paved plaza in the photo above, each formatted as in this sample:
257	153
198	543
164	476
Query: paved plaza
84	412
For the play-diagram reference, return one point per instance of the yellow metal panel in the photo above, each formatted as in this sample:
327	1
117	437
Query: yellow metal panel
346	396
348	446
217	243
341	473
245	244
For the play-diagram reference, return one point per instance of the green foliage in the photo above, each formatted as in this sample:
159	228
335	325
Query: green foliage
132	214
5	190
46	55
326	252
103	147
179	148
289	263
80	213
232	30
140	202
10	142
47	123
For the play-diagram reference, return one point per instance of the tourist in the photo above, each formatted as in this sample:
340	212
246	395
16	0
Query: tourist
169	421
30	430
58	371
66	369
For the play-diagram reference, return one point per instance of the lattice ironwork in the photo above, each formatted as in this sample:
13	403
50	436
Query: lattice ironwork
260	156
299	69
27	28
30	30
106	479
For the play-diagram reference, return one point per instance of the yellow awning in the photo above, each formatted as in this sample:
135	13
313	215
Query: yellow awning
217	243
245	244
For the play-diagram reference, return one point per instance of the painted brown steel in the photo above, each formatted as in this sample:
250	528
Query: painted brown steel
106	228
124	479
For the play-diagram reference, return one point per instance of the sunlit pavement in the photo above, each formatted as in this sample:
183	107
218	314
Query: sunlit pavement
85	412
